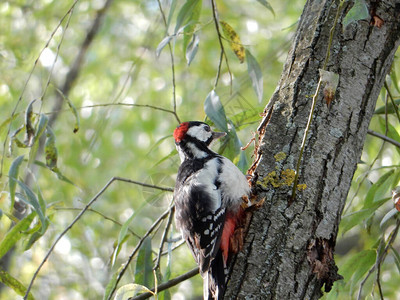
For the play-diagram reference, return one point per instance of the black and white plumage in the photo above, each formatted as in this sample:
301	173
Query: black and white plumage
208	195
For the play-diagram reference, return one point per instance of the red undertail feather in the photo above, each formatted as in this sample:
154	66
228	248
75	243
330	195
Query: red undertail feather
228	245
231	242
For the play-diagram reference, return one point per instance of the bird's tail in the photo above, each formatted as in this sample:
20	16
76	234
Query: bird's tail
215	279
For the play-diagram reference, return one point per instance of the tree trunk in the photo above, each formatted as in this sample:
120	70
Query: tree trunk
288	251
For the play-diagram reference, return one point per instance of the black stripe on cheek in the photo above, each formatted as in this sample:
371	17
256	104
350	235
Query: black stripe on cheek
210	139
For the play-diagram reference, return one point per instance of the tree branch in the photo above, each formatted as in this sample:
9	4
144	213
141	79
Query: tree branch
168	284
117	103
98	213
384	137
128	261
164	237
79	216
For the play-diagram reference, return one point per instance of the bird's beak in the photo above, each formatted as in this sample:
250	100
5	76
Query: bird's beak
217	135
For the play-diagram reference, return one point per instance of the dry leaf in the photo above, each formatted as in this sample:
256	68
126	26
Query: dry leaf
234	40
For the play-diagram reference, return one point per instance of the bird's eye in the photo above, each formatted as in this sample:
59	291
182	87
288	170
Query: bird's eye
207	128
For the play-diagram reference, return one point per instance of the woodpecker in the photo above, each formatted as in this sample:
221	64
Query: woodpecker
208	195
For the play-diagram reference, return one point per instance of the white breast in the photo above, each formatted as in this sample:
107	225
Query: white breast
233	182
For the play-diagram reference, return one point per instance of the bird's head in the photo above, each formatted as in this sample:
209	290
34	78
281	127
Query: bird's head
193	138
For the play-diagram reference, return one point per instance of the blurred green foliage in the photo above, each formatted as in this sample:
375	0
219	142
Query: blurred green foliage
117	120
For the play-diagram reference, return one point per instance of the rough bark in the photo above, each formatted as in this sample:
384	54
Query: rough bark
288	251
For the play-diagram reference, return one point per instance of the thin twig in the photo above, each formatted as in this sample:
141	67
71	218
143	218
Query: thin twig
396	109
65	231
128	261
100	214
157	187
80	215
172	65
384	137
117	103
181	242
378	281
168	284
55	59
216	22
164	237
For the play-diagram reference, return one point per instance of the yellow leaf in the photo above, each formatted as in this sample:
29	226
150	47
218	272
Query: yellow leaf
234	41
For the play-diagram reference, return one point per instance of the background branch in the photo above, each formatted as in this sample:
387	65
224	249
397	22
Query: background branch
168	284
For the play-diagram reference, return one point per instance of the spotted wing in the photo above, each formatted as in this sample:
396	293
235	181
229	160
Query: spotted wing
200	225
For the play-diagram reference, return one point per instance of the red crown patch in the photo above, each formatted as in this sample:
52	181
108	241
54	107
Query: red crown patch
180	131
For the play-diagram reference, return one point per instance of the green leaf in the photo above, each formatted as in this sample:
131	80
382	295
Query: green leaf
30	131
15	284
234	40
58	173
245	118
43	120
51	150
14	139
357	218
364	262
359	11
390	214
254	71
117	250
34	202
35	236
163	43
390	108
73	109
359	263
144	264
129	290
158	143
392	132
184	13
379	188
122	236
7	122
171	13
396	257
15	234
75	113
189	29
230	144
243	163
170	155
166	294
267	5
13	175
394	80
112	283
43	226
215	111
192	48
